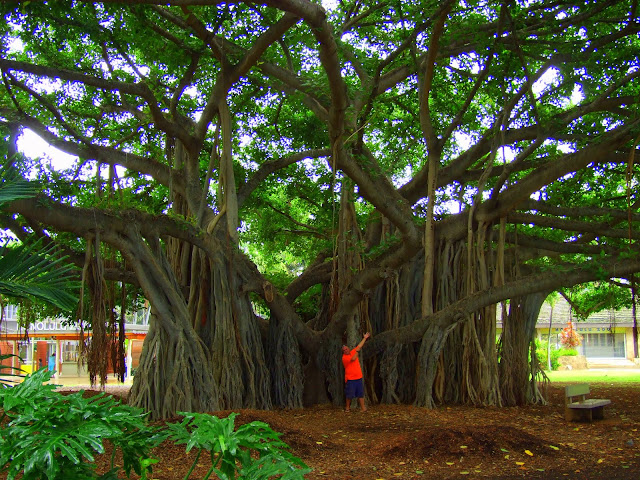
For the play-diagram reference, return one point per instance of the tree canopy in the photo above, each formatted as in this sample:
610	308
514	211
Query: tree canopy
399	167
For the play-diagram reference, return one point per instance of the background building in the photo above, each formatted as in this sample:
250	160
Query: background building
55	345
607	336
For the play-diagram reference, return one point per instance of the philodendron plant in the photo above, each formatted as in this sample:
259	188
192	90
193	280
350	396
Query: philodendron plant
47	435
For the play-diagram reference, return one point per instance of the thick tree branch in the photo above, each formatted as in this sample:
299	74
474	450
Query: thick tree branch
458	312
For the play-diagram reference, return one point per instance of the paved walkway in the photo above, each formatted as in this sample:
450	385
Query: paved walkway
83	382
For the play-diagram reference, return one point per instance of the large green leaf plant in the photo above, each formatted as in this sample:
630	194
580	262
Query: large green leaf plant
48	435
252	451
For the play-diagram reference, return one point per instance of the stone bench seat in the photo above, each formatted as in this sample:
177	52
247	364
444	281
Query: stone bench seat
578	407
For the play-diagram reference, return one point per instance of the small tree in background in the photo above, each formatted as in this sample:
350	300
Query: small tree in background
569	337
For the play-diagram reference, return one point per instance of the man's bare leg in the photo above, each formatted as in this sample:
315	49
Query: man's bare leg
347	407
362	407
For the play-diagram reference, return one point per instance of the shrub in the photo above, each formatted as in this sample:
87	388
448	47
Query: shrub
541	353
45	434
253	451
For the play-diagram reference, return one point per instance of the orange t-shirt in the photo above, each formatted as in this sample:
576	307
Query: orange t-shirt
352	370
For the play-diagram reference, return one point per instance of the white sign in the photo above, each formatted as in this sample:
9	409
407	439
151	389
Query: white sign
52	325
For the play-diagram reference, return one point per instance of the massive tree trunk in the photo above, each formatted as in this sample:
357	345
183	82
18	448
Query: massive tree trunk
212	356
459	357
518	366
393	304
285	365
427	364
323	366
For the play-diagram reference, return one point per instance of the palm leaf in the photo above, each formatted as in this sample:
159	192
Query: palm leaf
9	375
30	271
13	186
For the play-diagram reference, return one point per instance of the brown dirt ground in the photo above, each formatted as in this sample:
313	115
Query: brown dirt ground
404	442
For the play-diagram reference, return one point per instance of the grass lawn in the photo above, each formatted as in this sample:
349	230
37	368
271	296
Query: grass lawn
610	376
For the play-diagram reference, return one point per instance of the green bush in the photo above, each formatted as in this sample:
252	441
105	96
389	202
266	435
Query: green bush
45	434
541	353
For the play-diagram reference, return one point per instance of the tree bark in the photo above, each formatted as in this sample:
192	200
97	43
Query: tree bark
516	369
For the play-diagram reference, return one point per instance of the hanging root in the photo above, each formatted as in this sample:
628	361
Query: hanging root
389	374
285	365
539	381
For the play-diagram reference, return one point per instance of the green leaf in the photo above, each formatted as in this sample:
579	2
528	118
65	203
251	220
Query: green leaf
49	434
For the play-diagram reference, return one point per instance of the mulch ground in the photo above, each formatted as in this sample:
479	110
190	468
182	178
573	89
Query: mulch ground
404	442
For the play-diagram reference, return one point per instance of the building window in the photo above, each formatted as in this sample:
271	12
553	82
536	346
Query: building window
11	312
70	351
24	352
603	345
139	317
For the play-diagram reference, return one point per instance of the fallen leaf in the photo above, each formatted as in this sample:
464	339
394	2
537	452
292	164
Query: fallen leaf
528	452
519	463
463	446
319	443
449	463
600	460
554	447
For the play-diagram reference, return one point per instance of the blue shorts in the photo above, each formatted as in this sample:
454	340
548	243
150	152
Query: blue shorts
354	389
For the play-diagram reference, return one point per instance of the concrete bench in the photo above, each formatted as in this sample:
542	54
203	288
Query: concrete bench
579	407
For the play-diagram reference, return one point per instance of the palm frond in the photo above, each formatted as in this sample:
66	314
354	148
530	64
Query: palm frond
13	186
30	271
10	376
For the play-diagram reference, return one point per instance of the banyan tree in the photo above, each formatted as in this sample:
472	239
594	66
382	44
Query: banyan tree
276	178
